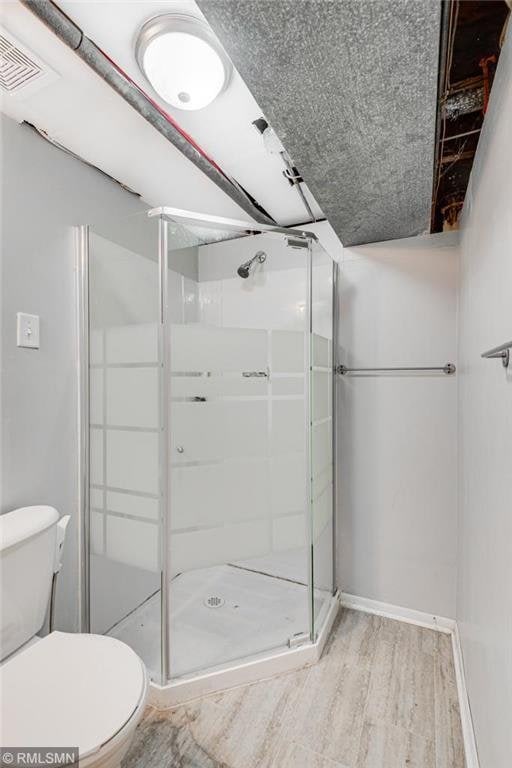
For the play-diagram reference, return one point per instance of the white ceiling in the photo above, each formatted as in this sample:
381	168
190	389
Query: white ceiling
83	113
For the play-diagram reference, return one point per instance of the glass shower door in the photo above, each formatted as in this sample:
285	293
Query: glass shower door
239	538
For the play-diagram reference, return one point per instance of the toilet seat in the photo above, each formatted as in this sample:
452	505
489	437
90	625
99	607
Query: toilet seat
71	690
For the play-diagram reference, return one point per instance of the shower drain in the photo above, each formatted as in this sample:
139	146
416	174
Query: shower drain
214	602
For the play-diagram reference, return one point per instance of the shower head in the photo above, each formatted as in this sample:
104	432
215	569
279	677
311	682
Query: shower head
244	270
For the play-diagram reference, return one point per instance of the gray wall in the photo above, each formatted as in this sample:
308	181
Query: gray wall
398	434
484	595
44	194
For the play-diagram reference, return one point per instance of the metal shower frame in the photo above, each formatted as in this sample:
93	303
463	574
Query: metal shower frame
167	215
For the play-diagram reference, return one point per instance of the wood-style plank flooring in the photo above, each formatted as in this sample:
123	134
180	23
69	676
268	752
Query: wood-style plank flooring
382	696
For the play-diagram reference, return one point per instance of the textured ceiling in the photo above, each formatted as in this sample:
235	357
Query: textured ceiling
350	86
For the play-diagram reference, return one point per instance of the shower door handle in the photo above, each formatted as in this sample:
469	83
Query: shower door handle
503	352
255	374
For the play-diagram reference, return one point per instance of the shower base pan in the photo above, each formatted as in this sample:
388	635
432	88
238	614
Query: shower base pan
249	670
221	614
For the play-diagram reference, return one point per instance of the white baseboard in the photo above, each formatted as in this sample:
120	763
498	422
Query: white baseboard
428	620
441	624
468	733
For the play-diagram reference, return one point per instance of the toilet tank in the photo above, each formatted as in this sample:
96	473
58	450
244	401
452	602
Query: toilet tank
27	552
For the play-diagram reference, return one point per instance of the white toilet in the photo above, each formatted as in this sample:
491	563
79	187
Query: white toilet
63	690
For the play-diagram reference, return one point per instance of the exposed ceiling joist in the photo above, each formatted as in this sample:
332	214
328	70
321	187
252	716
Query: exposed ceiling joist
473	31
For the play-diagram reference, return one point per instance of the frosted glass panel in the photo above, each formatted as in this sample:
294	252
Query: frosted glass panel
96	452
218	546
239	512
321	403
132	343
134	506
97	532
132	460
321	432
288	482
288	385
321	344
288	351
96	384
219	430
124	403
132	397
133	542
219	385
200	348
208	495
288	429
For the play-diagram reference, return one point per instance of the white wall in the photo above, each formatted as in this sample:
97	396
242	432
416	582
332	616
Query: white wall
484	595
397	537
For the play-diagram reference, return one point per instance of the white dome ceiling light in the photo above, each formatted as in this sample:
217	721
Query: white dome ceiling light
183	60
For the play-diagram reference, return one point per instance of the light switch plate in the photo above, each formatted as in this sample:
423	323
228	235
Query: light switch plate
27	330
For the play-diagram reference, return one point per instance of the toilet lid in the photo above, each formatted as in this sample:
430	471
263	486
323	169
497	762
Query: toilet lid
70	690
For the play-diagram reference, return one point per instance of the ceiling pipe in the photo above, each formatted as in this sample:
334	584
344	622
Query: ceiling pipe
296	182
274	146
70	34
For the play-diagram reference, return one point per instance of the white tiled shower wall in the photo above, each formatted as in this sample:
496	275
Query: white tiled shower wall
237	458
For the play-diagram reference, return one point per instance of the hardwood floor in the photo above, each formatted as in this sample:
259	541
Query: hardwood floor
382	696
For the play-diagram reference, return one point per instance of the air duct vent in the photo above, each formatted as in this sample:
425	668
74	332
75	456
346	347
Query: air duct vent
21	71
16	69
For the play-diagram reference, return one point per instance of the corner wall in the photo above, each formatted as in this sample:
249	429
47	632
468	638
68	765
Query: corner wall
484	592
44	194
397	534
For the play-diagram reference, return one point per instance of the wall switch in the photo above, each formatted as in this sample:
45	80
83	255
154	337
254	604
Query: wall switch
27	330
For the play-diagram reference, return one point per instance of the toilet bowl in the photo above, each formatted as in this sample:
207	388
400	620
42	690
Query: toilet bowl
74	690
64	690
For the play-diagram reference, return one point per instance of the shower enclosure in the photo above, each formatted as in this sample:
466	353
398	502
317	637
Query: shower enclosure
207	441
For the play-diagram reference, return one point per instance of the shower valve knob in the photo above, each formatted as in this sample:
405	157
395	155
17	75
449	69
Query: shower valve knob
180	449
